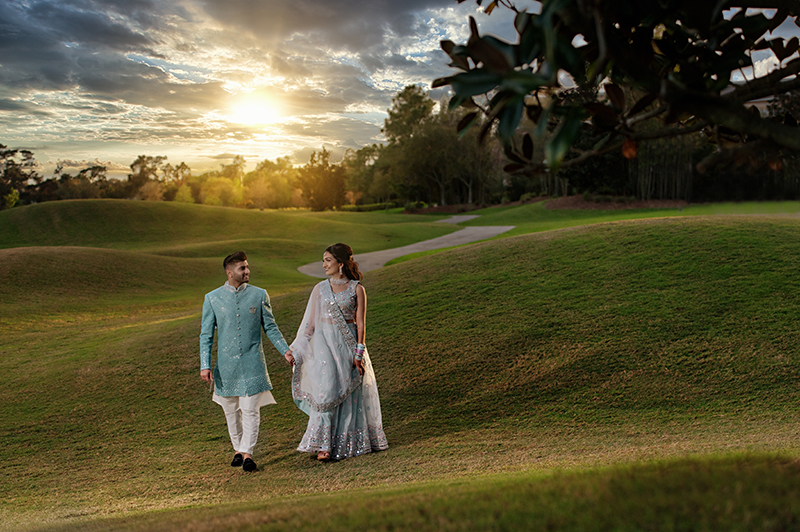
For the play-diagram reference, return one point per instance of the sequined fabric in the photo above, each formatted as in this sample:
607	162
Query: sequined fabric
237	317
343	407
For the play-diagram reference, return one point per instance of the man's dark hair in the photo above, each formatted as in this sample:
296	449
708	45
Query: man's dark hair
239	256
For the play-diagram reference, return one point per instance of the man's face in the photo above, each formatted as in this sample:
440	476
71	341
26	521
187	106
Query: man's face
239	272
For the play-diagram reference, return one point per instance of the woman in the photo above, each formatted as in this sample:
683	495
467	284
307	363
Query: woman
333	380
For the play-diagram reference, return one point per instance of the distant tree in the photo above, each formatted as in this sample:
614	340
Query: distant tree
151	191
670	60
270	185
221	191
11	199
235	170
359	166
173	178
184	194
17	173
322	183
410	107
145	168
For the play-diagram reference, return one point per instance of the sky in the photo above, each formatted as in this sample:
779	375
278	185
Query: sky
86	82
199	81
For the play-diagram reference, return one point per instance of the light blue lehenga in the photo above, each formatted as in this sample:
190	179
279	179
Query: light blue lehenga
344	411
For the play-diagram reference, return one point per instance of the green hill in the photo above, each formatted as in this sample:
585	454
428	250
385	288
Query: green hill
106	251
148	226
583	351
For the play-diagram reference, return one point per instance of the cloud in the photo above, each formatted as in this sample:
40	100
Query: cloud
67	164
145	76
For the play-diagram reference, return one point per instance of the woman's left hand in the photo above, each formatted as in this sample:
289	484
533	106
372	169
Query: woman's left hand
359	366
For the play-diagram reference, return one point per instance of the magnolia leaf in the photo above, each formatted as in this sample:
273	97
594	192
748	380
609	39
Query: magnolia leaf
509	117
441	82
490	7
615	95
603	116
775	164
629	148
643	103
492	52
512	155
465	123
563	137
527	146
534	113
602	142
472	83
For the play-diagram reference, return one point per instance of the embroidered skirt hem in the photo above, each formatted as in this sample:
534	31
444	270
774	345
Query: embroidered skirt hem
346	445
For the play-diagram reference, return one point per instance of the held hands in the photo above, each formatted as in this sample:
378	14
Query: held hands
289	357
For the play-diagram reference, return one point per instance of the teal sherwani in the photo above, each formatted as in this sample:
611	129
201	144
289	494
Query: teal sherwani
238	315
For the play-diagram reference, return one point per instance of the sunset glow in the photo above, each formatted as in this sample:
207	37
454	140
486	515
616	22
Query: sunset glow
254	112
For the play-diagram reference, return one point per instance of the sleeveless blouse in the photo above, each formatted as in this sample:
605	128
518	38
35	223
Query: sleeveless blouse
346	299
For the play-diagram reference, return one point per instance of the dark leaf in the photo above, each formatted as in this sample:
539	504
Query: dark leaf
522	82
440	82
643	103
615	95
509	117
466	122
534	113
541	124
563	138
602	142
789	120
527	146
474	82
512	155
491	52
457	54
603	115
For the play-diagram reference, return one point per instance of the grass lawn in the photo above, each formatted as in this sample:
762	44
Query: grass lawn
637	375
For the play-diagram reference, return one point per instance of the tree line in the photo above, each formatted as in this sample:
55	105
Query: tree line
430	157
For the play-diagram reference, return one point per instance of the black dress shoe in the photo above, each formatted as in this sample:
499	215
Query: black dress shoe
249	465
237	460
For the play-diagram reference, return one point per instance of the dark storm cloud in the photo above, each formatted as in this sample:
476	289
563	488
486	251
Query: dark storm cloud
354	25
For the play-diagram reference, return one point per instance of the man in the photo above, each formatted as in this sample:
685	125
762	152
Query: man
238	311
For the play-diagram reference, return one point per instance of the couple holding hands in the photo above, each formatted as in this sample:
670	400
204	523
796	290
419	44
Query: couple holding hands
332	382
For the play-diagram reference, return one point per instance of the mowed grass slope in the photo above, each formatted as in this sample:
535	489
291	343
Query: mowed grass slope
104	252
587	349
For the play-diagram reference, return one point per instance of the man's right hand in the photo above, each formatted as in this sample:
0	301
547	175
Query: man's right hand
205	374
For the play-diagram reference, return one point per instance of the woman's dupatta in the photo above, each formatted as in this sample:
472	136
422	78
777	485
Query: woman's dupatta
323	351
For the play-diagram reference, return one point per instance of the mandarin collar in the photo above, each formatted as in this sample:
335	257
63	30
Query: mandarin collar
230	288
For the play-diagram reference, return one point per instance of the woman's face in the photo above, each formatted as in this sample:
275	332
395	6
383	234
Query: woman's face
330	264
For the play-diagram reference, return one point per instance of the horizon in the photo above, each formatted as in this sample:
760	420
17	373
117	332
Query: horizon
99	83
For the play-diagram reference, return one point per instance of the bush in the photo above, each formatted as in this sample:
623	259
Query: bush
368	208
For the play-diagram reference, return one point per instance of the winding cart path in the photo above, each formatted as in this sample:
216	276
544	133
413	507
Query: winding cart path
377	259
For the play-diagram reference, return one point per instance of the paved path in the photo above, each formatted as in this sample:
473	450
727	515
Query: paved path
377	259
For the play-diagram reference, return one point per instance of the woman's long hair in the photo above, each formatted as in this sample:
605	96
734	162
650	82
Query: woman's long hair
344	256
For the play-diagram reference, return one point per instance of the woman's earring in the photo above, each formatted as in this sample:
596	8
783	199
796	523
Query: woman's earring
340	270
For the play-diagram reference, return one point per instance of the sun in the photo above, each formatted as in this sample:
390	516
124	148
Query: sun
252	111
